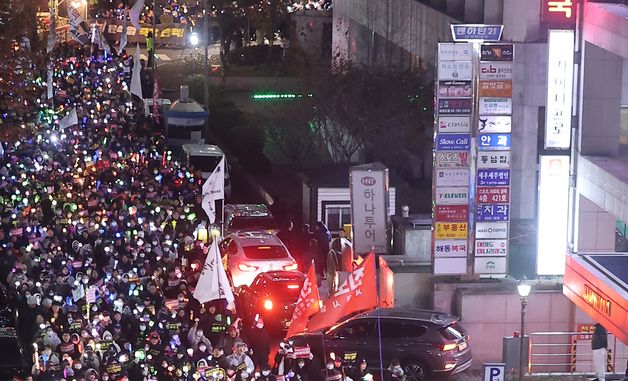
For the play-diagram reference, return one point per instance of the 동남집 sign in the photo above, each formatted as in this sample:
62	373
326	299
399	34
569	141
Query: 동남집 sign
454	124
454	106
492	212
451	195
500	52
494	123
497	89
491	230
369	197
494	142
455	89
495	70
452	159
493	177
491	247
455	52
494	106
453	142
450	248
452	177
493	159
457	70
451	230
449	213
492	195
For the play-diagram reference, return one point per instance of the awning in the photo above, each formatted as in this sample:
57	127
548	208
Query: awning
598	285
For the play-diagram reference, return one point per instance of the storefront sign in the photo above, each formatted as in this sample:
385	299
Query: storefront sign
487	159
450	248
494	142
559	89
490	265
587	330
459	70
455	89
495	89
452	177
492	212
490	230
452	196
558	13
369	196
491	247
495	106
492	123
495	70
597	300
454	106
497	52
452	159
493	177
454	124
448	213
453	142
493	195
451	230
455	52
476	32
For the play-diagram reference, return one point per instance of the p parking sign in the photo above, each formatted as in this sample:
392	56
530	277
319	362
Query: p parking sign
494	372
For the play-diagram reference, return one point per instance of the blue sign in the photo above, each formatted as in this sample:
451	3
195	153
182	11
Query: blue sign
493	177
476	32
496	142
487	213
453	142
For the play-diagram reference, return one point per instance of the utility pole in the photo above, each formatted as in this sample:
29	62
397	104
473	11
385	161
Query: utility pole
154	35
205	40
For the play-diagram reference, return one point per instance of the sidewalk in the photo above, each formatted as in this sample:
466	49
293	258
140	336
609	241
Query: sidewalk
476	375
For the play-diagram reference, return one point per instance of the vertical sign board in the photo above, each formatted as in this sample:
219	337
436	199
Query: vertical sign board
553	215
369	198
559	89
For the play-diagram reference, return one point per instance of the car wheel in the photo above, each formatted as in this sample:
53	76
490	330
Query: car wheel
415	371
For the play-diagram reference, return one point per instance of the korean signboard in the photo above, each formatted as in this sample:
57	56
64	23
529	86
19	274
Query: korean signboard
455	89
451	230
495	70
495	89
492	212
491	247
172	34
455	52
494	159
492	123
558	13
369	198
496	52
450	248
452	196
491	230
494	142
454	124
453	142
476	32
448	106
495	106
452	159
490	265
458	70
452	177
448	213
492	195
559	89
493	177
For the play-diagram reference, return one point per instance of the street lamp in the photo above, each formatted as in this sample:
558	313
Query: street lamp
523	288
194	39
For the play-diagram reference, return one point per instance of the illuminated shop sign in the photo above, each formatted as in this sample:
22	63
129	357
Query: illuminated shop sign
596	300
558	13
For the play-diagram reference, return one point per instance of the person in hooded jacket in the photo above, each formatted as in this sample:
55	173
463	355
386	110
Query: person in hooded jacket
259	339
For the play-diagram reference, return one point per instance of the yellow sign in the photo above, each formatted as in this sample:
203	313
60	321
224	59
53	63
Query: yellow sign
451	230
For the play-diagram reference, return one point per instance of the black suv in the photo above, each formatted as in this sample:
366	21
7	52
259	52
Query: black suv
13	362
425	342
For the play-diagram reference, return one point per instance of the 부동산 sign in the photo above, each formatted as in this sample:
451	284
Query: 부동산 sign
454	106
454	124
493	159
494	142
492	212
493	177
451	195
452	159
493	123
453	142
450	248
451	230
458	70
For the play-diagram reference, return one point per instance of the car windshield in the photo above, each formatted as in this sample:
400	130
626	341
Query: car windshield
265	252
453	331
252	223
204	163
288	288
11	352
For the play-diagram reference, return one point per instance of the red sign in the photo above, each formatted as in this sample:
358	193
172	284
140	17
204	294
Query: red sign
558	13
493	195
587	329
449	213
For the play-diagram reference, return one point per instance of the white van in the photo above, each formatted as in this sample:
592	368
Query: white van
205	158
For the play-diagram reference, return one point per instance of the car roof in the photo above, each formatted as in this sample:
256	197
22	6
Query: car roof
278	276
435	317
249	210
255	238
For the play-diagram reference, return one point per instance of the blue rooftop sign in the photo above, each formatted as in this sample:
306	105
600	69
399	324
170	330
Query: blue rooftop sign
476	32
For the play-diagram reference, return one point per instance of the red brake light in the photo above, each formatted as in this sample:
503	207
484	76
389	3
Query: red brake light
245	267
448	347
292	267
293	286
268	304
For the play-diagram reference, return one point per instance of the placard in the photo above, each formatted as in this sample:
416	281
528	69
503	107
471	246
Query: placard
493	177
492	123
450	248
450	230
494	142
448	106
497	52
452	177
453	142
454	124
490	265
496	70
491	230
495	89
455	89
495	106
492	195
449	213
455	52
460	70
452	159
451	195
492	212
494	159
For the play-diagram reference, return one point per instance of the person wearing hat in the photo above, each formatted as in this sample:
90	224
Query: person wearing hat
332	372
360	372
229	341
265	374
240	359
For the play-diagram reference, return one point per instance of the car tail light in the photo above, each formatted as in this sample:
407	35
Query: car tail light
268	304
293	286
292	267
448	347
245	267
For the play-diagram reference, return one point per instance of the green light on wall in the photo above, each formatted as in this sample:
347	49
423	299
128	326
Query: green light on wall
272	96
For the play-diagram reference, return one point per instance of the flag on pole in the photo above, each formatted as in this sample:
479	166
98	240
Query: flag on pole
156	95
213	283
99	39
49	90
78	27
136	80
135	12
124	37
214	189
71	119
386	285
307	304
52	34
357	293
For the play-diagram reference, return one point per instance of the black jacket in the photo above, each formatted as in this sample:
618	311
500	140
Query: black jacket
599	339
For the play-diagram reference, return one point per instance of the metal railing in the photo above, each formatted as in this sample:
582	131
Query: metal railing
570	353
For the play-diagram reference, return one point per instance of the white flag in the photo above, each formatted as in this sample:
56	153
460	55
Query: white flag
1	150
136	79
135	12
78	28
123	38
69	120
214	189
99	38
52	34
213	283
49	90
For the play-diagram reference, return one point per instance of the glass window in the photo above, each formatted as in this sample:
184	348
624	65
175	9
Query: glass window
361	328
265	252
399	329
